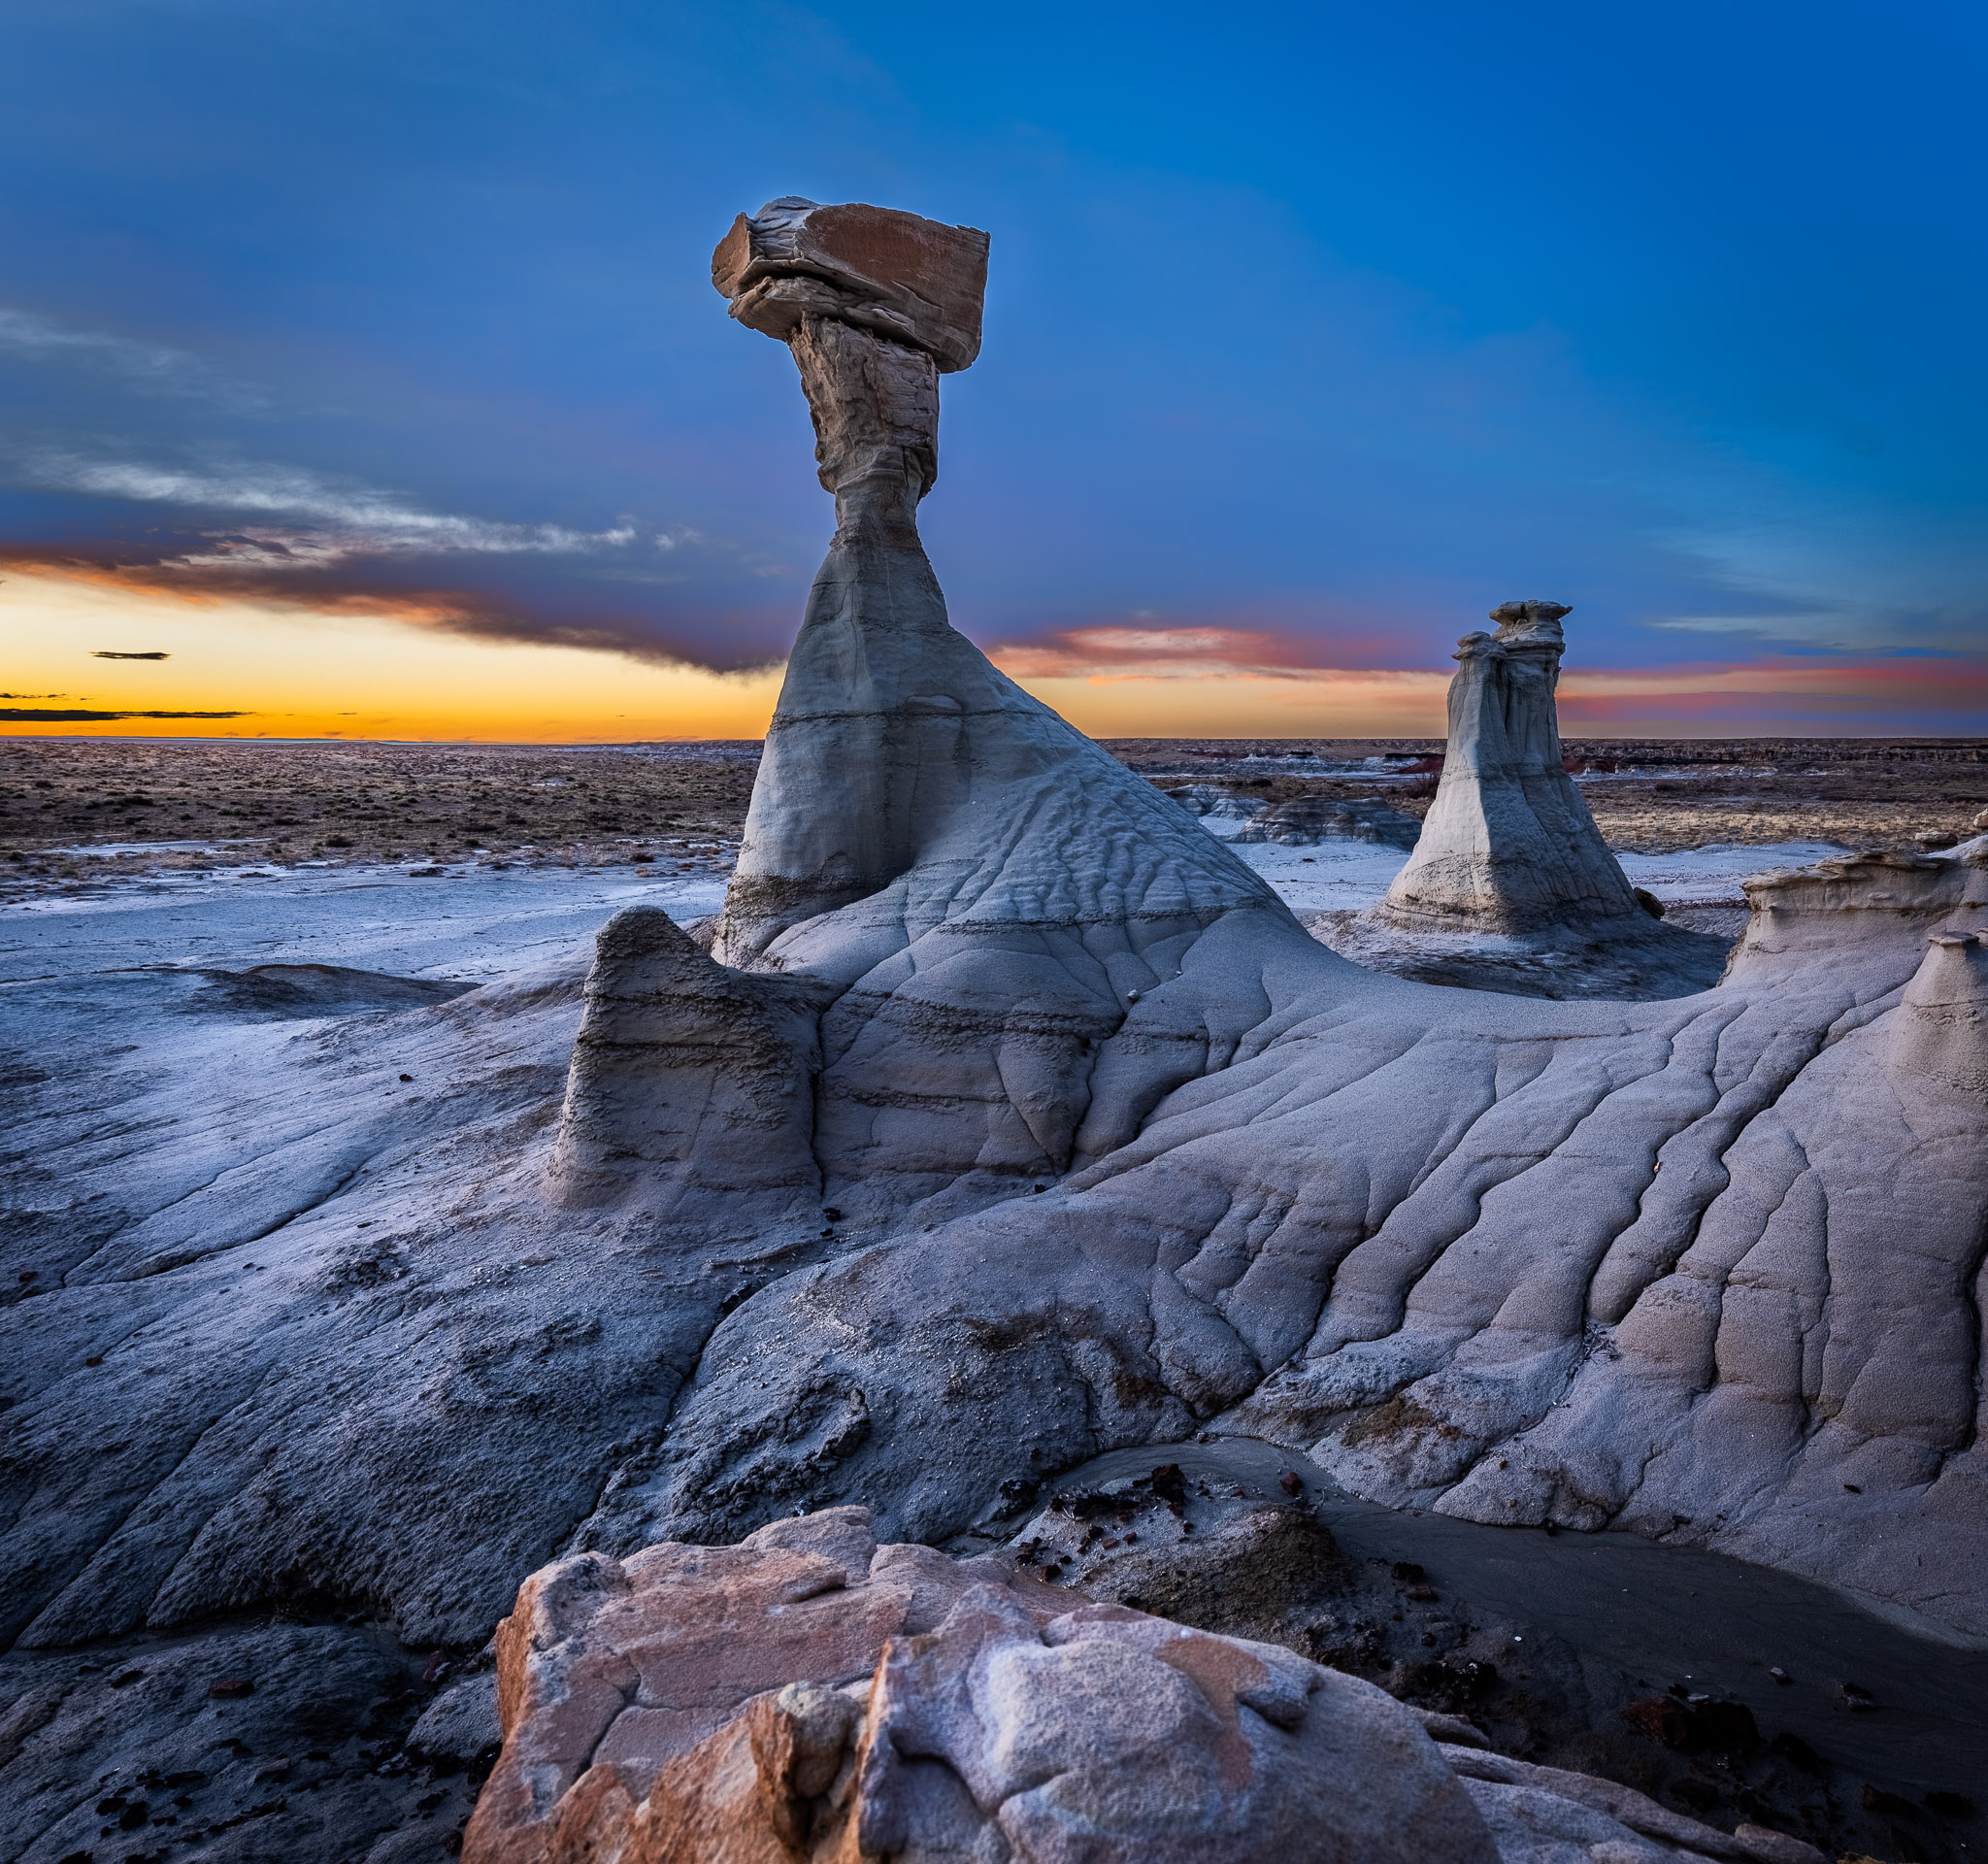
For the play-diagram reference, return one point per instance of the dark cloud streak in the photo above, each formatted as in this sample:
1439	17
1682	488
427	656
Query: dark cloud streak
25	714
719	637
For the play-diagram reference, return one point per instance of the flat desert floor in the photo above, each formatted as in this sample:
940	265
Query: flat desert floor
82	811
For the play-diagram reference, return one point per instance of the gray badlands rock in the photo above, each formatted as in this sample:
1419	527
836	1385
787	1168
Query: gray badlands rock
808	1694
1855	905
1943	1032
294	992
1306	820
281	1329
234	1746
1211	799
680	1062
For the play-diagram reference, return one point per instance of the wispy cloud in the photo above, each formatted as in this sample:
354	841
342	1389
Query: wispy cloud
348	520
260	531
1771	692
416	600
1113	652
1836	695
152	368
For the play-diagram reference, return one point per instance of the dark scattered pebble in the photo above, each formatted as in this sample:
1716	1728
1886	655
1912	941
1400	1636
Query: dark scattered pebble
1875	1799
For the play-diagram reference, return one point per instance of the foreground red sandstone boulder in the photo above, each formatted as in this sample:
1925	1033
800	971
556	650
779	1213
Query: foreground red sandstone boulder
810	1695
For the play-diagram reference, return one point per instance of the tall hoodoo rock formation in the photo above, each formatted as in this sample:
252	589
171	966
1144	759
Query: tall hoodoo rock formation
874	305
910	839
1509	845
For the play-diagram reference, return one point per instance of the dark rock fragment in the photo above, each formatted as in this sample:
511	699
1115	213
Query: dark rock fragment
1664	1719
1874	1799
1797	1752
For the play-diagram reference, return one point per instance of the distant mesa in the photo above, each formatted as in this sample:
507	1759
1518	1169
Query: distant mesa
113	654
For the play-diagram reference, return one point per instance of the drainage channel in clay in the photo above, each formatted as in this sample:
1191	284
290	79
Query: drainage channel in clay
1659	1614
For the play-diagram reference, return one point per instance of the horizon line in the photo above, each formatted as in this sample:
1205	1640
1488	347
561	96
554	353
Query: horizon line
1148	738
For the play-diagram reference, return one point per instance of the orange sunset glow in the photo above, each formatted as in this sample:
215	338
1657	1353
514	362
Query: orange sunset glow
293	672
259	670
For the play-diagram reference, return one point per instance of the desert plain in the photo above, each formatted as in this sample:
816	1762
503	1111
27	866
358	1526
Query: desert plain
90	810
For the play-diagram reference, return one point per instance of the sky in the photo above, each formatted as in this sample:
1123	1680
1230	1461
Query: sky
362	370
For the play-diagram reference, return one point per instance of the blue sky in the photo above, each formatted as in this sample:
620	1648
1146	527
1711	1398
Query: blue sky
1311	331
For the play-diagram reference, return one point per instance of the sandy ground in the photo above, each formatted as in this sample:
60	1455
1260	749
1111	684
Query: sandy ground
470	924
76	809
476	920
468	862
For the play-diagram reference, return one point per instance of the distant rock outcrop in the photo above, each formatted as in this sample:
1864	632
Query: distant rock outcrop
1509	885
1305	821
1216	801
